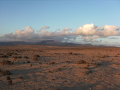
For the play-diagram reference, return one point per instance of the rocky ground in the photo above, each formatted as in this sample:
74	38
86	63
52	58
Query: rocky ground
34	67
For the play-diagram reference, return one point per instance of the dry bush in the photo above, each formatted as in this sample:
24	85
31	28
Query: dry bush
39	89
8	78
28	61
81	62
68	61
3	56
104	56
10	82
87	72
58	69
96	64
6	62
70	53
35	57
51	63
20	77
19	56
15	57
9	54
115	55
50	71
30	64
86	68
26	57
5	72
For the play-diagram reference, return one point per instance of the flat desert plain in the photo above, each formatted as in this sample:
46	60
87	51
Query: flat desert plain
35	67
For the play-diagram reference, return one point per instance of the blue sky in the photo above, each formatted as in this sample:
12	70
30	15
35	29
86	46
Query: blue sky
57	14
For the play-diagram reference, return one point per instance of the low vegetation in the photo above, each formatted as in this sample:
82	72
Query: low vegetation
3	56
6	62
81	62
5	72
10	82
35	57
8	78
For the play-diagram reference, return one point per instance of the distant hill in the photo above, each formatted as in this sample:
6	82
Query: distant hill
48	42
13	43
52	42
44	42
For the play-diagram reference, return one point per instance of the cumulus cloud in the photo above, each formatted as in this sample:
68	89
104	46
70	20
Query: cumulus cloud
45	27
109	30
87	29
25	33
88	33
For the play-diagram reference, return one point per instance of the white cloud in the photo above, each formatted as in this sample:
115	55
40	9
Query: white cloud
109	30
46	27
25	33
87	29
88	33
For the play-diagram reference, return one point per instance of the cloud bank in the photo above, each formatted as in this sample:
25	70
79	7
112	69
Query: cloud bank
87	33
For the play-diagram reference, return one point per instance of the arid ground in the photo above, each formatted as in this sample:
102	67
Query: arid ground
35	67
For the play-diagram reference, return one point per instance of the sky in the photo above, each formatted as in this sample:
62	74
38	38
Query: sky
94	22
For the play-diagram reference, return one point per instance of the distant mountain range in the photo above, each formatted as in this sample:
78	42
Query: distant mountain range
45	42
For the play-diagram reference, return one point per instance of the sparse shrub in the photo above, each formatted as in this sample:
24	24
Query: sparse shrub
6	62
26	57
85	68
5	72
20	77
39	89
68	61
40	63
70	53
10	82
87	72
96	64
9	54
115	55
8	78
58	69
51	63
76	54
50	71
88	65
30	64
40	51
14	57
28	61
3	56
81	62
19	56
104	56
35	57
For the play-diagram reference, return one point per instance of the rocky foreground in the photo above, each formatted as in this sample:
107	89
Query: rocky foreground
35	67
